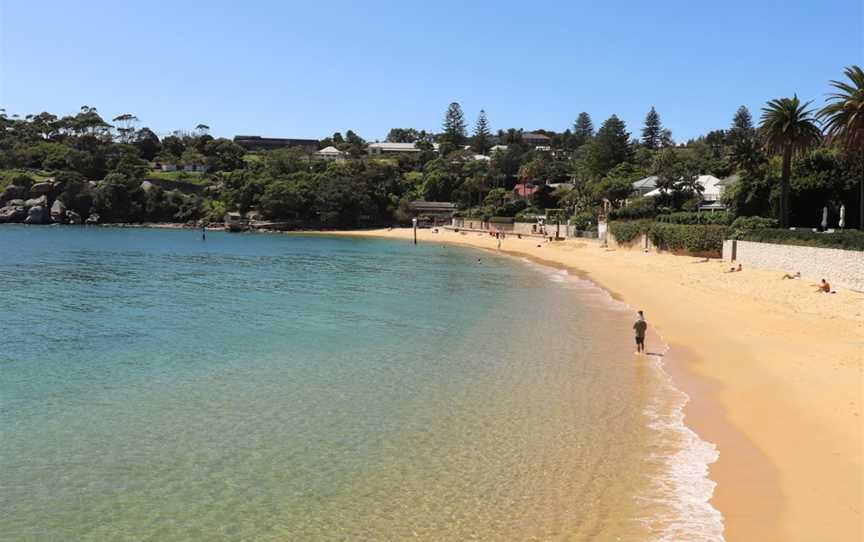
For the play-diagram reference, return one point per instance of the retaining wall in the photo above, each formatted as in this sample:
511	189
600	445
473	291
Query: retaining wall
523	228
839	267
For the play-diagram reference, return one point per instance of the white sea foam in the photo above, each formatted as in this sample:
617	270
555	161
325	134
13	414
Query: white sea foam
680	499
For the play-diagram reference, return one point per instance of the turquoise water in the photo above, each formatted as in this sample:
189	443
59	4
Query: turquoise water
271	387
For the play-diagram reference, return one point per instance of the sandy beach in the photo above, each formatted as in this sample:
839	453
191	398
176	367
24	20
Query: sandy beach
774	370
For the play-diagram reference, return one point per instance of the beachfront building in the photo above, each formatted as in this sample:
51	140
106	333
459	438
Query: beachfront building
258	143
643	186
537	140
192	167
525	190
375	149
330	153
712	193
432	212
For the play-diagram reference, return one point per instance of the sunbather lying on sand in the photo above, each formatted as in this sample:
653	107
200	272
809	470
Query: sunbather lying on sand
797	275
735	269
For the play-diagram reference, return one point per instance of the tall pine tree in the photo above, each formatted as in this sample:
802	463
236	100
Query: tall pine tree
742	125
608	148
482	134
583	130
653	131
454	127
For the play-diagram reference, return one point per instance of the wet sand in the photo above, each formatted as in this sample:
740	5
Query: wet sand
774	370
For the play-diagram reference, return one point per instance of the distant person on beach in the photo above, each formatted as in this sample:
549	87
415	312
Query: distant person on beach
735	269
640	326
824	287
797	275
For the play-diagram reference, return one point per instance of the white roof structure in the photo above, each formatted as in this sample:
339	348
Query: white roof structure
648	183
711	188
330	151
393	147
501	148
481	157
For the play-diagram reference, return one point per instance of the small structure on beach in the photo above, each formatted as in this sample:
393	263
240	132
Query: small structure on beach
234	222
432	212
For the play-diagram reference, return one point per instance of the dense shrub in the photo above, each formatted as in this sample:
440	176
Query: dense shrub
584	221
627	232
722	218
745	224
529	215
633	213
847	240
693	238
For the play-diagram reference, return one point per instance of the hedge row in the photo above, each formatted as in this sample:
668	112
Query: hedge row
627	232
693	238
633	213
723	218
846	240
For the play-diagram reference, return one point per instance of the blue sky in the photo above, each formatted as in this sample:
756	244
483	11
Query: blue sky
307	69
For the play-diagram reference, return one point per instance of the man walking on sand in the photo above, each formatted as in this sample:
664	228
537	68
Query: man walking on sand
640	326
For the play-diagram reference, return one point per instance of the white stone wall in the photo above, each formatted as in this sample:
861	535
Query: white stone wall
843	268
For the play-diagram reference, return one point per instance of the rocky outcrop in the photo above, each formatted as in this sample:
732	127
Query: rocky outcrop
41	201
43	188
73	218
147	186
38	214
13	213
58	212
14	192
92	219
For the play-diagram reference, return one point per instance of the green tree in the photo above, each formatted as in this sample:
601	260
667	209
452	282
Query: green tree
454	135
742	125
583	130
607	149
788	128
653	130
126	128
844	122
403	135
147	143
482	135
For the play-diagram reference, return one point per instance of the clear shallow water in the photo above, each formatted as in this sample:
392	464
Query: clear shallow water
257	387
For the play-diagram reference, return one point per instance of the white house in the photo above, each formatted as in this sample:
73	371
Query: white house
392	148
329	153
643	186
712	191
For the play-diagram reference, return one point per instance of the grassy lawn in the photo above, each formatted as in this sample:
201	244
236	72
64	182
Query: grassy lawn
6	175
251	158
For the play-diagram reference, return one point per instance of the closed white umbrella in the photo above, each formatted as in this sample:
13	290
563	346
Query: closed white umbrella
824	218
842	216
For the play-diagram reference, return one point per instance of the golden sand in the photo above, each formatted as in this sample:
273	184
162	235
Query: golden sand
774	370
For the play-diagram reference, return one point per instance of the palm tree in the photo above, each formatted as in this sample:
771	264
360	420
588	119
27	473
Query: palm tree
788	128
844	116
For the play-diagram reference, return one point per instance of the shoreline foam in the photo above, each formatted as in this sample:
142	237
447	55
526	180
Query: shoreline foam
685	485
774	373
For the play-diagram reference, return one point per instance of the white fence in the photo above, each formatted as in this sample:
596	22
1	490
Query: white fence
843	268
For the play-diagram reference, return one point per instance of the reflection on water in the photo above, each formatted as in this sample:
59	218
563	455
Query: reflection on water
295	388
